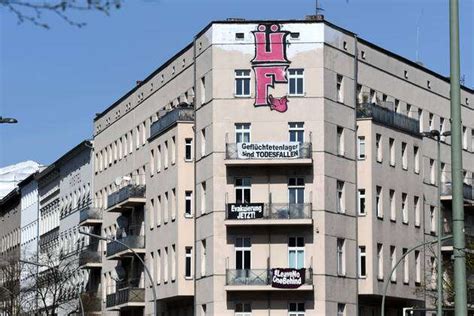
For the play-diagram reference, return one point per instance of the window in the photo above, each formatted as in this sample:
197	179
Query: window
188	268
158	159
379	262
188	204
203	197
165	155
340	207
341	260
378	202
243	309
242	83
433	272
362	262
296	309
397	106
242	190
361	204
203	142
393	211
472	140
203	306
404	156
296	190
431	121
166	208
393	262
340	89
416	153
464	137
203	90
296	132
165	266
242	132
432	220
420	118
203	257
296	81
441	128
173	150
174	204
404	209
373	96
296	252
416	201
361	147
432	172
406	269
391	144
152	162
409	111
378	147
188	149
417	267
137	136
341	309
243	253
151	213
340	141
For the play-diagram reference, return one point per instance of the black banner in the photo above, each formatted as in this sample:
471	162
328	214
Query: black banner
244	210
288	278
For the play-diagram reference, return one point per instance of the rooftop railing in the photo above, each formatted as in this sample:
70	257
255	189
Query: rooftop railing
125	193
180	114
388	117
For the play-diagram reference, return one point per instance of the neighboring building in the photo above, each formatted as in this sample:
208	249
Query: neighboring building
283	184
11	175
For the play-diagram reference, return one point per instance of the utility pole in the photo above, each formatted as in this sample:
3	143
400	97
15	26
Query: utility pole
460	298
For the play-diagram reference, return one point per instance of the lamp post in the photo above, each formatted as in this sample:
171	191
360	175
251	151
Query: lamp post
136	255
8	120
44	265
436	135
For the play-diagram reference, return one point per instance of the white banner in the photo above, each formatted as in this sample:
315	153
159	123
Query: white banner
288	150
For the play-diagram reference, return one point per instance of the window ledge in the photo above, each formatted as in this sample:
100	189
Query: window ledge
380	217
242	96
405	223
393	220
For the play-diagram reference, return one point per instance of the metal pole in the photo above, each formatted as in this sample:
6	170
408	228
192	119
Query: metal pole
439	303
460	288
387	280
139	258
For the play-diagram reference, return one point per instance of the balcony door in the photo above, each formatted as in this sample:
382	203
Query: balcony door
295	197
296	132
242	133
242	190
296	252
243	252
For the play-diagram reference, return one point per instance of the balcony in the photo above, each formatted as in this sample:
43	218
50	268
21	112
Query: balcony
389	118
239	214
268	153
130	294
91	302
126	198
90	216
179	114
447	193
117	250
90	257
277	279
447	246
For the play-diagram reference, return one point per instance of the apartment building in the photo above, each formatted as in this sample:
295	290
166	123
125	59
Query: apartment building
255	173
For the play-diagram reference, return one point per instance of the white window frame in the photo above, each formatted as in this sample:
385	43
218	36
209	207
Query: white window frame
362	260
380	262
188	259
405	208
340	141
391	146
404	156
340	256
296	128
294	75
340	197
243	130
188	144
406	267
361	148
295	310
340	88
361	201
417	204
188	200
243	248
296	249
378	147
245	310
417	267
393	262
243	77
416	154
378	202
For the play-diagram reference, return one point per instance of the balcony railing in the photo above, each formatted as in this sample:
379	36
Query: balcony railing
132	241
388	117
126	295
125	193
265	277
447	190
180	114
268	151
90	254
90	213
268	211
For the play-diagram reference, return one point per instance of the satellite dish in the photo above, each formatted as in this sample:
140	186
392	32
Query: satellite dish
118	181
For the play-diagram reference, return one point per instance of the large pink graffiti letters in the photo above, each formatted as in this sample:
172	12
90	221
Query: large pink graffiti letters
270	64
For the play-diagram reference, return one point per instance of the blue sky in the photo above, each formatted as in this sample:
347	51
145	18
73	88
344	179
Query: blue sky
54	81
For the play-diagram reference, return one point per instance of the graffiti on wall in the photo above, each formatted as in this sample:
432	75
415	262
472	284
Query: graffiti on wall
270	64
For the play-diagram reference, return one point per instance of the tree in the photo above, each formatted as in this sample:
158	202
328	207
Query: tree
10	292
33	11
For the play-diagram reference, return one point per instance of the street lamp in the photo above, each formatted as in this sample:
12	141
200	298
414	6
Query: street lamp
44	265
436	135
136	255
8	120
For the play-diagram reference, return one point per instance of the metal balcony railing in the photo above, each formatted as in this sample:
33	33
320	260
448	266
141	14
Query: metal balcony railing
90	254
180	114
258	277
126	295
90	213
304	151
274	210
125	193
447	190
390	118
91	302
132	241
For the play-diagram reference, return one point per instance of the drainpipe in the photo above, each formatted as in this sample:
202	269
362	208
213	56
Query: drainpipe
356	71
194	180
